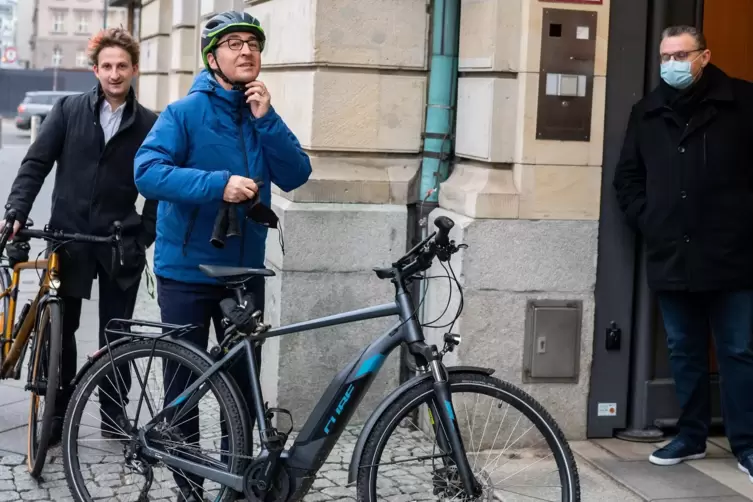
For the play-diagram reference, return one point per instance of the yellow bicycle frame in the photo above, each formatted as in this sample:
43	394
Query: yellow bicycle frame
13	343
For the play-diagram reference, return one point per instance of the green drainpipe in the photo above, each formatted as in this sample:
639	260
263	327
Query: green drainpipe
440	120
440	109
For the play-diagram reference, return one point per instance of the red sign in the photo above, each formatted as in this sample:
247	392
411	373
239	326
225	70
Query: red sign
590	2
10	55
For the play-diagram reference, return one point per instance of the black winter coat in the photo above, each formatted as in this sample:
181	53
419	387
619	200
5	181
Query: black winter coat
94	187
685	181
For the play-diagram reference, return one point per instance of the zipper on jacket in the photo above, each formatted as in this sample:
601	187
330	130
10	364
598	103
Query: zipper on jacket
248	175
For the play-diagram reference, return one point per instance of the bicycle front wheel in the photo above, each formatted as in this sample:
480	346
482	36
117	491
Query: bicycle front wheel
5	282
402	456
44	379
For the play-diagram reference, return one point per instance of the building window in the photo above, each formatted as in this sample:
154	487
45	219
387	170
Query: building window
81	60
58	21
82	26
57	56
115	18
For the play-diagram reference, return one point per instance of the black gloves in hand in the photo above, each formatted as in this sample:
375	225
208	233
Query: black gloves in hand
226	222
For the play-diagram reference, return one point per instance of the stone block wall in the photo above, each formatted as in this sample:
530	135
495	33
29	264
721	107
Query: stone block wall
169	48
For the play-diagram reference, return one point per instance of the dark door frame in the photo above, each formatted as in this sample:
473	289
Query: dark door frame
623	302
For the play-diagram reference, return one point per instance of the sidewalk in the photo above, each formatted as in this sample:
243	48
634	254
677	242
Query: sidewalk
714	479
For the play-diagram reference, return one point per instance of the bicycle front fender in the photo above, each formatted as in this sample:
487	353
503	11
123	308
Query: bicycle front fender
391	398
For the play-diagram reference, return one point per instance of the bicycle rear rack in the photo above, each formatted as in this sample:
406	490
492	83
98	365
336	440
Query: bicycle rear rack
126	329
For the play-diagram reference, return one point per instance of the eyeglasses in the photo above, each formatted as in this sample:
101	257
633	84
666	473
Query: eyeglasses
236	44
679	55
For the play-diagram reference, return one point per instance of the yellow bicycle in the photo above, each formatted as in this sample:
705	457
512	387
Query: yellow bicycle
39	324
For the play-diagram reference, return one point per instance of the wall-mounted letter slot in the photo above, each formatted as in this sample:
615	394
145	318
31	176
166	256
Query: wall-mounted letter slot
568	50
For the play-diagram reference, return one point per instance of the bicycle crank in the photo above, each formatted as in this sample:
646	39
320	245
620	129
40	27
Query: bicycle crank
254	485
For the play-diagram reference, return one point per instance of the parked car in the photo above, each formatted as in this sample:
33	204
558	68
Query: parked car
37	103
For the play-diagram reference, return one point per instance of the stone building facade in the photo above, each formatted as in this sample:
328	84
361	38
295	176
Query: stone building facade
62	29
351	79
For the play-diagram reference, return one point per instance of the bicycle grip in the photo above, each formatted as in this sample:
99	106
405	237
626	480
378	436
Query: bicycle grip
444	225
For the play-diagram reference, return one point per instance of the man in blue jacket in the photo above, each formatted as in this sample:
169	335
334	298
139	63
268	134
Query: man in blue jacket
222	142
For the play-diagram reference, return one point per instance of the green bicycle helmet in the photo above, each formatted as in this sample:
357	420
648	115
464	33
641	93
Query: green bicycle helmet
224	23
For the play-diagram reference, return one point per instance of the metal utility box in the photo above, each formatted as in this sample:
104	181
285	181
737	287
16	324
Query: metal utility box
568	51
552	341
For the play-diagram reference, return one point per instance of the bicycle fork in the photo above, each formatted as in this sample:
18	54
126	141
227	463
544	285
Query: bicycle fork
447	431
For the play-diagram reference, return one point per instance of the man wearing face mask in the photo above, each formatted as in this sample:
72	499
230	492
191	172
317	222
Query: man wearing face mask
685	182
223	143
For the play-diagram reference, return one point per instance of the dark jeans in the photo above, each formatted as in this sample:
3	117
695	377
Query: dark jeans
687	317
199	304
114	303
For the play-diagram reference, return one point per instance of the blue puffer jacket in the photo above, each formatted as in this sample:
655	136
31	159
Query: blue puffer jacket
185	163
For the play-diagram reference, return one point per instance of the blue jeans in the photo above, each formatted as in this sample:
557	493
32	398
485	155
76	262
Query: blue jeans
687	317
199	304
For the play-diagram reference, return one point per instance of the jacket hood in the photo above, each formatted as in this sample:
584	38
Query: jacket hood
206	83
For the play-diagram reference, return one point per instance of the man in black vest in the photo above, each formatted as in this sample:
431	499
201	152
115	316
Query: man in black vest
685	182
93	137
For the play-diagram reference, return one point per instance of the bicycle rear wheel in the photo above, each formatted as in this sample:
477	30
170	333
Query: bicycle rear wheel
211	433
44	375
422	471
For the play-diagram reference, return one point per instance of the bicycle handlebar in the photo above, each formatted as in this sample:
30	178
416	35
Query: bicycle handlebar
115	238
419	259
63	236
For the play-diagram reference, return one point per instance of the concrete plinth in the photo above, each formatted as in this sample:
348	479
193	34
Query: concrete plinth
507	263
330	250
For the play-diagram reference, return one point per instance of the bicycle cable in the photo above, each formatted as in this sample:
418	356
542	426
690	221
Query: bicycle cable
57	245
452	278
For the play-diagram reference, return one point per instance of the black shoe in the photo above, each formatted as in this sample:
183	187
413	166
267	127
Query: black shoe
677	451
56	432
745	464
118	430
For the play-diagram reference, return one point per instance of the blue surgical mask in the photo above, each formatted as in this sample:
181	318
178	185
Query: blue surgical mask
677	74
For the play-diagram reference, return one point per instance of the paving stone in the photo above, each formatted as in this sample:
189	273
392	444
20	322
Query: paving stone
11	460
38	494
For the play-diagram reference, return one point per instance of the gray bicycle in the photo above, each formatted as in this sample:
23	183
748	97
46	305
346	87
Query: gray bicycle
426	440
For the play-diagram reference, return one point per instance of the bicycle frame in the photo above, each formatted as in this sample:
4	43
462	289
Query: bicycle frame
14	344
332	413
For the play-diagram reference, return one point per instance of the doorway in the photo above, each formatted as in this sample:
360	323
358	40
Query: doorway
633	377
728	27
